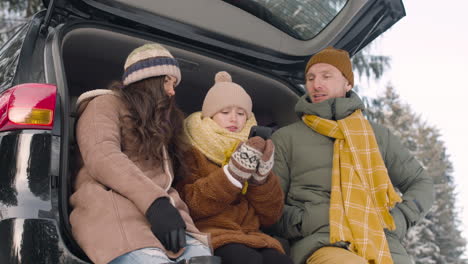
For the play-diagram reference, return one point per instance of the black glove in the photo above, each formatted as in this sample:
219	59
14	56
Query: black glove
167	224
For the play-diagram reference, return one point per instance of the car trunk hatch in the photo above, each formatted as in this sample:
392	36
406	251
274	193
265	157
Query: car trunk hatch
274	34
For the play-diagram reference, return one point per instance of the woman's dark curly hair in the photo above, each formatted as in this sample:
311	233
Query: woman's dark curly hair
155	122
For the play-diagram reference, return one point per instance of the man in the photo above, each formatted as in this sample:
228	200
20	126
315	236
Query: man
352	190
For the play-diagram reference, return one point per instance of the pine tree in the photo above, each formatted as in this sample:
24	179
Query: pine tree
370	65
437	238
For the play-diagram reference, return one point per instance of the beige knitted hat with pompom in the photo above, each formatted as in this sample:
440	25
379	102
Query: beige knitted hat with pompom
225	93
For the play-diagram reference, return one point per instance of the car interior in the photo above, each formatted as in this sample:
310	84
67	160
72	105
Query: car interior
94	57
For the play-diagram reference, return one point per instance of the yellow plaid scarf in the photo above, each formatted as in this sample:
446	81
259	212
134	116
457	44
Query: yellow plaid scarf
212	140
362	193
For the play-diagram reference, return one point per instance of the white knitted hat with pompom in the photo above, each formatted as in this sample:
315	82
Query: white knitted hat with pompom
225	93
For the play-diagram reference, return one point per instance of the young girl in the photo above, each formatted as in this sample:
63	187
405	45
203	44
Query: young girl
130	138
232	191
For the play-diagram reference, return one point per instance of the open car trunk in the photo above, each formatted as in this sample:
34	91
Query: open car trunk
92	56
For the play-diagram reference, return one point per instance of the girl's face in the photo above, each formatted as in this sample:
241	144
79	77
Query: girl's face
232	118
169	85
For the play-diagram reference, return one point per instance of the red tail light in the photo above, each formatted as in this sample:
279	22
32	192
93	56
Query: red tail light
28	106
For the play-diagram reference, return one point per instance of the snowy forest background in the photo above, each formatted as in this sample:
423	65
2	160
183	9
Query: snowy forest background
436	239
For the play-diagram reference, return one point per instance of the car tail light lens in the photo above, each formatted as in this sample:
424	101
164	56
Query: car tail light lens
28	106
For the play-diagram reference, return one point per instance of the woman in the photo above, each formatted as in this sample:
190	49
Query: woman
229	195
130	138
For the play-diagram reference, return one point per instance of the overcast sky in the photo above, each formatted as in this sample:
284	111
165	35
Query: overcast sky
429	51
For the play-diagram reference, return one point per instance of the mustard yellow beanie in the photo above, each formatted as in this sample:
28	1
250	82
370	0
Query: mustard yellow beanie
336	57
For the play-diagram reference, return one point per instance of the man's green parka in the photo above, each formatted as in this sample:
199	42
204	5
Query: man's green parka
303	161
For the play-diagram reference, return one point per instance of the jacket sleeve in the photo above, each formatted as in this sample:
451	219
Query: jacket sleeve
407	174
99	141
281	166
206	193
289	223
267	199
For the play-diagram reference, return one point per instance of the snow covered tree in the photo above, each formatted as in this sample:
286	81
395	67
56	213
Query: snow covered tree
370	65
437	238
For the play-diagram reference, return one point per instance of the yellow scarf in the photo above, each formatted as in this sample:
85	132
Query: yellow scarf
215	142
362	193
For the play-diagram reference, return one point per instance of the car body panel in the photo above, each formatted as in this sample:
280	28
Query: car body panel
30	162
24	166
33	241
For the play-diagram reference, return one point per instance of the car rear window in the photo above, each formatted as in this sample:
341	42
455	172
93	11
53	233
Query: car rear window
9	55
301	19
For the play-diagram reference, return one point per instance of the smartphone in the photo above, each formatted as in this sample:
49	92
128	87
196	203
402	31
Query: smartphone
261	131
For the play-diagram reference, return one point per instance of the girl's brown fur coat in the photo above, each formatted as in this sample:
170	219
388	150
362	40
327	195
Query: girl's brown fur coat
218	207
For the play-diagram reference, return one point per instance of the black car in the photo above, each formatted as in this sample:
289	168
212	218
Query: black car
79	45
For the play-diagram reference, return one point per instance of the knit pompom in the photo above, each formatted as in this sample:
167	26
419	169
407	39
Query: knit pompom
223	77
